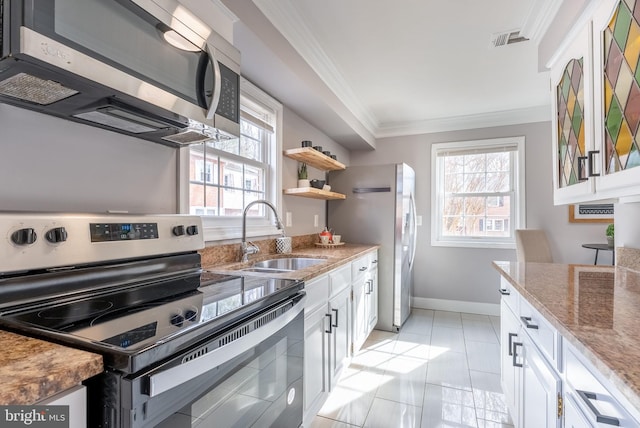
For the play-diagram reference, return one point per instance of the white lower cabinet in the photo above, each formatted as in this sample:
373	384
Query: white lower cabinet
74	397
327	336
546	381
364	272
510	372
531	384
594	399
541	405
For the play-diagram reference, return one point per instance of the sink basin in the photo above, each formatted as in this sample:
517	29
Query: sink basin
265	270
287	263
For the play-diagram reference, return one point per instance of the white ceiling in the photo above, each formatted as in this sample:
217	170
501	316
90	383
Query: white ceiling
367	69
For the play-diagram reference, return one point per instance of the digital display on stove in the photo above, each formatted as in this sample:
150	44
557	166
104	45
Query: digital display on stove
104	232
131	337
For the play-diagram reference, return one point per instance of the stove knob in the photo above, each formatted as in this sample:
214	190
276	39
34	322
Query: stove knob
58	234
25	236
177	320
178	230
190	315
192	230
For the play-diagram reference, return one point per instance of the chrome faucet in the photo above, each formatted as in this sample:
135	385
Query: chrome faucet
248	247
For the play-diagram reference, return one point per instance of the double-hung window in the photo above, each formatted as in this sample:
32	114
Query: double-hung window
478	192
225	175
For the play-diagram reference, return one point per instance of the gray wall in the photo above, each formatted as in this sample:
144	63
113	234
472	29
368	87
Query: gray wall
465	274
51	164
296	130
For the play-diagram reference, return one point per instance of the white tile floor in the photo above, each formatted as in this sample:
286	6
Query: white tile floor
441	370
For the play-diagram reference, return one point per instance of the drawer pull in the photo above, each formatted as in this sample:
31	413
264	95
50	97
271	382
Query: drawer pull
511	336
526	321
603	419
515	354
362	269
504	291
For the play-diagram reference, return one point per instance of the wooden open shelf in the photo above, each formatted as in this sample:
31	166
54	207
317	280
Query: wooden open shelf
314	158
312	192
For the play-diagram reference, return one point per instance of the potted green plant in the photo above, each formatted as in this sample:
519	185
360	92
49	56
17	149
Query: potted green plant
303	178
610	234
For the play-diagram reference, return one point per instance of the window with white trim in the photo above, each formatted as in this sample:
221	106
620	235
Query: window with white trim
224	176
478	190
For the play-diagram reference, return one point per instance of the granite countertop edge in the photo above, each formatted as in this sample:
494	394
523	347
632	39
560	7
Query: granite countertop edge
335	256
589	349
33	369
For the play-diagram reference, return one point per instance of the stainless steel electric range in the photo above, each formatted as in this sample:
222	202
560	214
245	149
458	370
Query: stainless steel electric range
182	347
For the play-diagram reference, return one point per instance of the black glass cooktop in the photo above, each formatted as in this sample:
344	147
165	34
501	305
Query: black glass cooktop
142	316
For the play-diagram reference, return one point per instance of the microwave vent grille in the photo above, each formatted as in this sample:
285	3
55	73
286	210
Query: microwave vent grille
187	137
33	89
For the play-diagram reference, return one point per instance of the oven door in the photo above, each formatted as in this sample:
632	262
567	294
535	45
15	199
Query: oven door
248	377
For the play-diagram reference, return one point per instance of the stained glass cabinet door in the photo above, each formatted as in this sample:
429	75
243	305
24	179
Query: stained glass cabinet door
571	85
616	48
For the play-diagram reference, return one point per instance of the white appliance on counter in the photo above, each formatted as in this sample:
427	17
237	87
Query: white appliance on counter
380	209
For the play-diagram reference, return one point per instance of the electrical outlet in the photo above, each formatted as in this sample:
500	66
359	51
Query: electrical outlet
315	220
418	220
287	219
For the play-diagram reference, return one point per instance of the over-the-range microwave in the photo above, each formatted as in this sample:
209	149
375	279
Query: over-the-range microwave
146	68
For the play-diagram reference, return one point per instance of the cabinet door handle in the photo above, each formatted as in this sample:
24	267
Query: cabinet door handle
526	321
603	419
515	354
581	176
336	324
369	282
330	331
511	336
591	153
370	286
504	291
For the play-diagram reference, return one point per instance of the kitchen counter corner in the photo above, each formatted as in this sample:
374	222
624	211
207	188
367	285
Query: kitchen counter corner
32	370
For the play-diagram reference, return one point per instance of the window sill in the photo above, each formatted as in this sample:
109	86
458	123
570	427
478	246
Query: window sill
475	244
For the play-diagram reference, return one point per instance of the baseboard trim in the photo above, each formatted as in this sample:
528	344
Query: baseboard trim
456	306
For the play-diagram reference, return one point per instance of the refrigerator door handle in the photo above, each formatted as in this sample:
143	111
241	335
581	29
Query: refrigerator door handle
414	231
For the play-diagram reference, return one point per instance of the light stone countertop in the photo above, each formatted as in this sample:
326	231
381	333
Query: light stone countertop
33	369
595	308
336	257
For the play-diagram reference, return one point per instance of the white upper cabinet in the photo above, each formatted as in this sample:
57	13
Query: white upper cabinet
616	49
573	144
596	105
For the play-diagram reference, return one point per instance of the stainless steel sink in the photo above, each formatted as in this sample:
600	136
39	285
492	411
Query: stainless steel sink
265	270
287	263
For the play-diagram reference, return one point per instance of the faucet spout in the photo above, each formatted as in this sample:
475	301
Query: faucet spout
250	248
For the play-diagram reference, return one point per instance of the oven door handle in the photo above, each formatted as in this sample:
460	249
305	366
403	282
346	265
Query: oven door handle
175	376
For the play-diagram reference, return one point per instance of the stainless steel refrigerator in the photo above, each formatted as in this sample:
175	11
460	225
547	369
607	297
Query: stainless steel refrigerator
380	209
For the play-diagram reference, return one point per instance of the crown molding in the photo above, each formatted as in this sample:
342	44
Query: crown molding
539	19
473	121
283	15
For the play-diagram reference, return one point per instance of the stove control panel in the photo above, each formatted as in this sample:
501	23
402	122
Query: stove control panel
30	241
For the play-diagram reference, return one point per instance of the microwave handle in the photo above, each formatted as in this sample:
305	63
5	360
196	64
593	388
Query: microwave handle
207	58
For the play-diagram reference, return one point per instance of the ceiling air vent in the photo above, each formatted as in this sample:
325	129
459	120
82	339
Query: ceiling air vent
506	38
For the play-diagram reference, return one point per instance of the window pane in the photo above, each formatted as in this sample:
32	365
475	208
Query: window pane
497	162
474	183
453	183
453	206
474	163
229	146
498	182
251	149
257	210
454	163
452	226
474	206
254	179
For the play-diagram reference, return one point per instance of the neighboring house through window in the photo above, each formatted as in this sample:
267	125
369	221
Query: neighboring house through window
478	189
